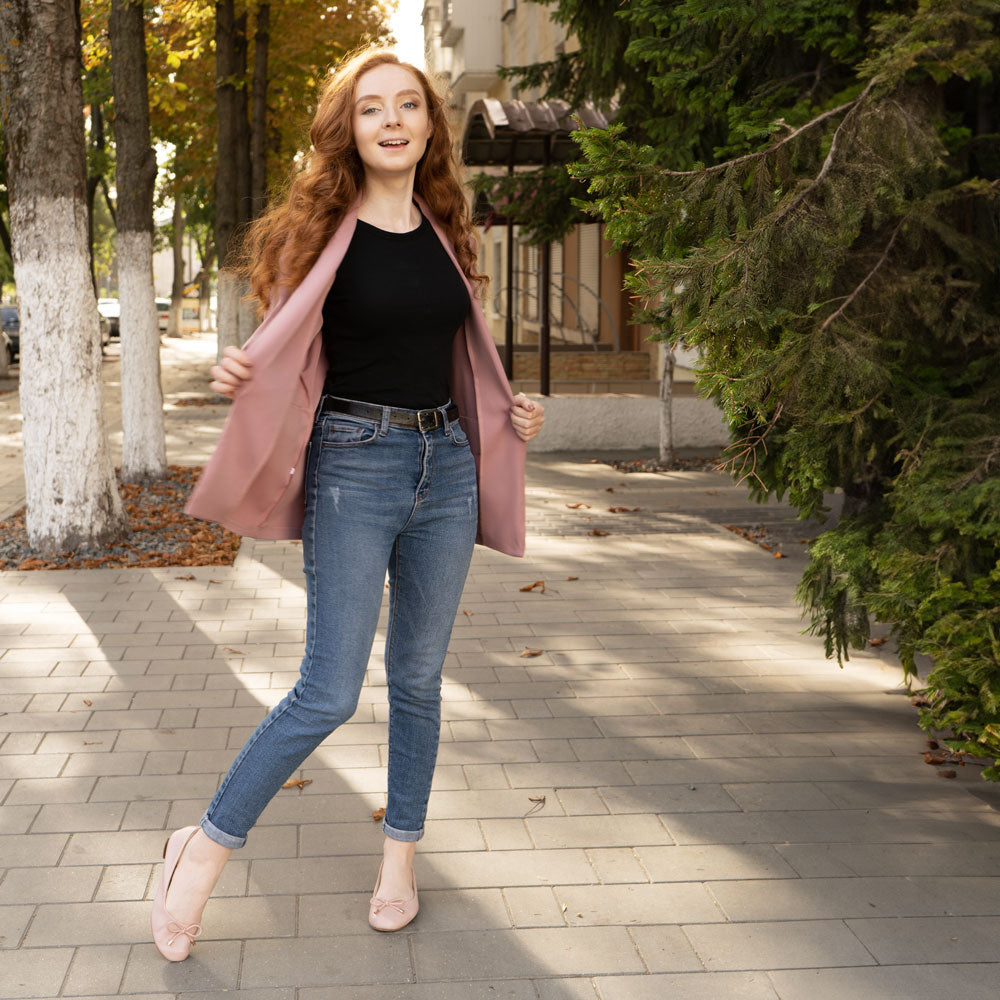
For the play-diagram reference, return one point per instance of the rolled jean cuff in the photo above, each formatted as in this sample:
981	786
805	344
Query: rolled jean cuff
409	835
220	836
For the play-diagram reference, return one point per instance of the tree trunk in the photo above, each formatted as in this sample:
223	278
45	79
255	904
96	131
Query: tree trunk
144	450
207	255
666	405
258	141
93	180
72	497
232	179
177	284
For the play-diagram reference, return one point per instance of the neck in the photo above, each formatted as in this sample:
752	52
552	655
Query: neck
387	202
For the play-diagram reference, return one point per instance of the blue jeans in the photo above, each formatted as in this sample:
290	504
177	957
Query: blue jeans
378	497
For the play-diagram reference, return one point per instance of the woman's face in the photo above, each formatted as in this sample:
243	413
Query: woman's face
391	120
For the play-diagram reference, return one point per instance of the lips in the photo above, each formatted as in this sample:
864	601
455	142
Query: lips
392	143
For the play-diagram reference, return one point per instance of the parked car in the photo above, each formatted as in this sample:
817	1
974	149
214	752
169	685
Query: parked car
10	321
163	313
111	308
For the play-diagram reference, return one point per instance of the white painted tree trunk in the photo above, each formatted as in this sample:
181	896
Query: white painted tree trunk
144	449
227	320
72	497
248	312
666	404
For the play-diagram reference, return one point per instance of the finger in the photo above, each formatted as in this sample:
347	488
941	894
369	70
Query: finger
236	368
239	355
225	376
221	388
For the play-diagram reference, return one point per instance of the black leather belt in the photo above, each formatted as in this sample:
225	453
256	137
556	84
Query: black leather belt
423	420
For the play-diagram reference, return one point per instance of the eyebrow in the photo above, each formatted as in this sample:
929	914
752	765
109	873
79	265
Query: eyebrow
378	97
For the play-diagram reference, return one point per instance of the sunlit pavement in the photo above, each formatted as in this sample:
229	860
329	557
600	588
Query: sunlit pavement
650	783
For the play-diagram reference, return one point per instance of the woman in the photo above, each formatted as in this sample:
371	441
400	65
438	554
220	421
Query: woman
343	431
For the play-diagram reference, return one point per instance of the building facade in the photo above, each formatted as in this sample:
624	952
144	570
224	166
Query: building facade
595	348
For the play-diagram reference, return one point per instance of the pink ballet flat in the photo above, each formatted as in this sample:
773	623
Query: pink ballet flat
392	914
172	938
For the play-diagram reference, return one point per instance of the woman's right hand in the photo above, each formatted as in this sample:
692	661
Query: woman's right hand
235	369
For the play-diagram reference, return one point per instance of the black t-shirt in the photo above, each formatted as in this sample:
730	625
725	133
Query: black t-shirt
391	317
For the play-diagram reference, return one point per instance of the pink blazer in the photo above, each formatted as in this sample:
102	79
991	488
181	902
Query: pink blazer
254	482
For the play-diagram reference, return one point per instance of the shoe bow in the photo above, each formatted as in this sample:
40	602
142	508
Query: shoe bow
175	929
381	904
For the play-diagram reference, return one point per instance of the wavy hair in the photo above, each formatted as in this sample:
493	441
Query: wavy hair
279	248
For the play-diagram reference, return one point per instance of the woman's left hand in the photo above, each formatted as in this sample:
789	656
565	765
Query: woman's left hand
527	416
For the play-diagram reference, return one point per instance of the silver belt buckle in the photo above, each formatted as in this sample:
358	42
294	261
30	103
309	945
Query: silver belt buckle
432	419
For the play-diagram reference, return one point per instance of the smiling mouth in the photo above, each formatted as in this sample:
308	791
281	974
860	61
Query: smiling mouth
388	143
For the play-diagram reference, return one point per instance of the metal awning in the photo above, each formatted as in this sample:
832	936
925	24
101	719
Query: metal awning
501	133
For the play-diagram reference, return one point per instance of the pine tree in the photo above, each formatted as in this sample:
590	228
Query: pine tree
810	193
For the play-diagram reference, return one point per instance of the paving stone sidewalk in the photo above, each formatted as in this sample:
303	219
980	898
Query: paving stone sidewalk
677	797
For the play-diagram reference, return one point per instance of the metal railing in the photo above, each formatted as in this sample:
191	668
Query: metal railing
589	333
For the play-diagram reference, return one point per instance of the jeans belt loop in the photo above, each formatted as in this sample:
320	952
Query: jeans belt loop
386	413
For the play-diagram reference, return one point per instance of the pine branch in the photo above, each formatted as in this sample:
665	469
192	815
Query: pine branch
849	106
854	294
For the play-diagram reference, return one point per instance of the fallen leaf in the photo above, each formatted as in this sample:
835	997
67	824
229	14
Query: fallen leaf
564	907
531	586
87	702
530	652
804	541
238	652
377	814
764	545
609	489
186	576
711	493
538	802
622	510
599	532
93	743
568	578
577	506
298	783
947	774
621	484
214	581
467	612
779	555
879	640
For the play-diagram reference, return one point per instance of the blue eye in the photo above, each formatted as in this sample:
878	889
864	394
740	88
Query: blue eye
366	110
412	104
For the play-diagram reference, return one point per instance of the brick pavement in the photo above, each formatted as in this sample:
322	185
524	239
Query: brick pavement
678	797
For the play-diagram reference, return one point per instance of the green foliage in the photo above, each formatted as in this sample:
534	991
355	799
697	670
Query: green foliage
543	202
810	197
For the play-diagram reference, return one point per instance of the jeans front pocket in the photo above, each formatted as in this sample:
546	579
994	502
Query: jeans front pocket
343	431
456	434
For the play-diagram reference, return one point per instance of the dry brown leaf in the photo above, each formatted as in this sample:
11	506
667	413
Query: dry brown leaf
779	555
87	702
609	489
467	612
298	783
879	640
186	576
599	532
622	510
532	586
378	814
238	652
538	802
93	743
568	578
530	652
577	506
711	493
214	581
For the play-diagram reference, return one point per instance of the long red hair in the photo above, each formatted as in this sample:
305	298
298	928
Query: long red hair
280	247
